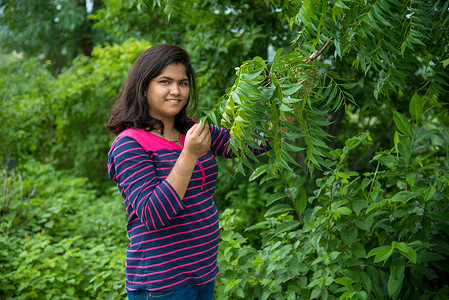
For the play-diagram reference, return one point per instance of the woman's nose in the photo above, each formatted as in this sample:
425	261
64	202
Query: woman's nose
174	89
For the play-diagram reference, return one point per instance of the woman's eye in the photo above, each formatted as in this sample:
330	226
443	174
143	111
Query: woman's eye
164	81
184	83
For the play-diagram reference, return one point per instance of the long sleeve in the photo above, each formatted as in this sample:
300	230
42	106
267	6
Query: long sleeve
220	143
153	200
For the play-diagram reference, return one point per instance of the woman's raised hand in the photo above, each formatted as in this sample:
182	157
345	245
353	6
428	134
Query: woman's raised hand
198	139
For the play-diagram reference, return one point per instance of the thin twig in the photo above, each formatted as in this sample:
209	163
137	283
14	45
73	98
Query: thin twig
19	212
315	55
37	210
31	195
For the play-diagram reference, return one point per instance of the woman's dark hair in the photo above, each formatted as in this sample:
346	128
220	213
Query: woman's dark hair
132	109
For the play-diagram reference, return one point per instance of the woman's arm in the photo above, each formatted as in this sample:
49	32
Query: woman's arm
221	139
197	143
153	200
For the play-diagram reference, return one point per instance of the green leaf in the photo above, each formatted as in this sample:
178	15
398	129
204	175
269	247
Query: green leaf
365	279
381	253
257	172
260	225
349	235
349	85
278	209
402	123
252	75
379	16
301	201
344	211
445	63
284	107
439	216
293	89
396	277
416	107
278	54
294	148
287	226
341	4
407	251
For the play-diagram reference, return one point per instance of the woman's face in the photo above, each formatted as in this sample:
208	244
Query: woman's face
168	92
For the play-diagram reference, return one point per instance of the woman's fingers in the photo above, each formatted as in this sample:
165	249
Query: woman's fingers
198	139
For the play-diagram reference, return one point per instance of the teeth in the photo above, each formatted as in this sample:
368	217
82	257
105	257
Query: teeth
174	101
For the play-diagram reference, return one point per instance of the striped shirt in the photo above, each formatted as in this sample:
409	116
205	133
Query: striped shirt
173	242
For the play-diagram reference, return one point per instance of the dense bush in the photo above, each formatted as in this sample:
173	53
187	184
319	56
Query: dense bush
59	238
381	234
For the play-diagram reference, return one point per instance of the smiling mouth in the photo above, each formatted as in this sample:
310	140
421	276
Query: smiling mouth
173	101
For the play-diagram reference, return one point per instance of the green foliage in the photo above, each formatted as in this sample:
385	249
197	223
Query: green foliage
351	202
80	99
268	97
219	35
57	31
361	236
23	109
62	120
58	238
357	234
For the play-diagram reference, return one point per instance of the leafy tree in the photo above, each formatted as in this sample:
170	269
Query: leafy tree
62	120
56	30
367	228
217	34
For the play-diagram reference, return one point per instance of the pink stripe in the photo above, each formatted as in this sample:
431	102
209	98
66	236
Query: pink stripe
141	191
188	223
147	209
115	143
134	220
194	213
134	228
263	146
195	171
169	236
166	154
196	204
133	174
161	169
174	194
199	185
126	151
212	174
137	179
203	192
172	260
137	163
220	136
174	268
225	148
192	204
168	160
125	143
162	204
206	160
141	198
168	278
169	253
160	219
171	244
129	159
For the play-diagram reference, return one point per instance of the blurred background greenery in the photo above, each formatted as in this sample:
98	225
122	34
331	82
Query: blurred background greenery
371	224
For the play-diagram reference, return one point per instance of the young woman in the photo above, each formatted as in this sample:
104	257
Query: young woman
164	166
